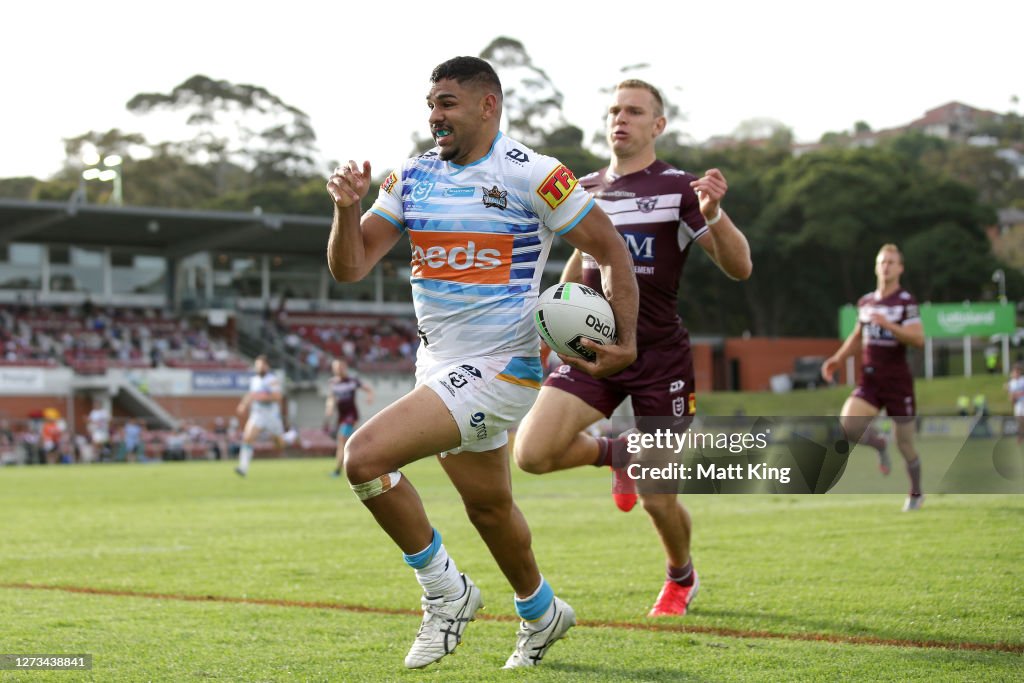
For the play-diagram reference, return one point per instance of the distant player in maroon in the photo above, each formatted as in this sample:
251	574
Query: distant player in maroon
887	322
341	399
660	212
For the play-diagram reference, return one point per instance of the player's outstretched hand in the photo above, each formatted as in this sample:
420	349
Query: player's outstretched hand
828	369
349	184
710	189
610	358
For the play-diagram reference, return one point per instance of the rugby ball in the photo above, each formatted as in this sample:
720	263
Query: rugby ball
569	312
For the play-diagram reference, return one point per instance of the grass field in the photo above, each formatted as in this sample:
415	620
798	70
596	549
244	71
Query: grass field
180	572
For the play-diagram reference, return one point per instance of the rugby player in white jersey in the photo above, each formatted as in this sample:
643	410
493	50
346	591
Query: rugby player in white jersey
480	211
263	401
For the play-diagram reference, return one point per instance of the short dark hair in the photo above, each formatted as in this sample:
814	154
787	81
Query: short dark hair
467	70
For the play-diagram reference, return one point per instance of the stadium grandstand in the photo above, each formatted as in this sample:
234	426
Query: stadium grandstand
156	314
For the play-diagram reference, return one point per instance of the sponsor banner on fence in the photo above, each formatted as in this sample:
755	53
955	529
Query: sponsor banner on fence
21	380
951	320
221	381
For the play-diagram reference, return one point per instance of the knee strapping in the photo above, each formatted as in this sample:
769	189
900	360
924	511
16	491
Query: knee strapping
372	489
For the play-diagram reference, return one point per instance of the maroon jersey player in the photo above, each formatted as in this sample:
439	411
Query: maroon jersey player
660	212
887	322
341	399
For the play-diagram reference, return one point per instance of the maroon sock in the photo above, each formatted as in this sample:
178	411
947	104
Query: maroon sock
611	452
873	439
681	575
914	470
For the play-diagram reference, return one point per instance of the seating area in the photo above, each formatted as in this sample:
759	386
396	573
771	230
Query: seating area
369	343
91	339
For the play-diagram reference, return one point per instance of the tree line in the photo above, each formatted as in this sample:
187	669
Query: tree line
814	220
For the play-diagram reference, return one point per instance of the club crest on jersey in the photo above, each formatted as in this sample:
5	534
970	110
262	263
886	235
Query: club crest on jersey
679	406
495	198
389	182
422	190
646	204
557	186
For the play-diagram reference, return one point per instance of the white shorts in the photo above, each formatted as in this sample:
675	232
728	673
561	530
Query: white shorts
266	422
1018	409
486	395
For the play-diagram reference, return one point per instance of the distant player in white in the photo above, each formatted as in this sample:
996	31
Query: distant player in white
480	211
1015	387
99	428
264	405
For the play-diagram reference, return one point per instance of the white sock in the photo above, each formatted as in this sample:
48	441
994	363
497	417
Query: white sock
244	457
441	577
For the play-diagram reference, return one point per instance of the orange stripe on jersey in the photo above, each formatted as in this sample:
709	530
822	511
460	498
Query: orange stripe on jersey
530	383
470	257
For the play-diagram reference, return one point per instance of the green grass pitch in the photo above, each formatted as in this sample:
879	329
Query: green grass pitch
277	566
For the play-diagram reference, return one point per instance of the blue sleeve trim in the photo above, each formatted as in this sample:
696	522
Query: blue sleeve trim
572	224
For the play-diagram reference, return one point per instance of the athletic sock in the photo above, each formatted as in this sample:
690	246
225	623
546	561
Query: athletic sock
538	609
436	571
914	470
611	452
873	439
681	575
244	458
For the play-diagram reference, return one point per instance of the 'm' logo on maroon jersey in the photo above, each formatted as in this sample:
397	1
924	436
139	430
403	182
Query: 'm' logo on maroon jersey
646	204
640	245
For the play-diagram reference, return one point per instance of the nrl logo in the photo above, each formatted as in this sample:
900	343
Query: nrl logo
646	204
495	198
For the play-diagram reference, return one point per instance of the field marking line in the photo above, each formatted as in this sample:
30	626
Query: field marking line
695	629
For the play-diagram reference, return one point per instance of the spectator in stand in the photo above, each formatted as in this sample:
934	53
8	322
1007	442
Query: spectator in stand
174	444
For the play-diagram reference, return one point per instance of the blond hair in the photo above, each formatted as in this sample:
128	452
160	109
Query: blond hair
889	246
644	85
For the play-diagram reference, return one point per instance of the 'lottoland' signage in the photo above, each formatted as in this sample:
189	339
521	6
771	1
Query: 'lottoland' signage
951	320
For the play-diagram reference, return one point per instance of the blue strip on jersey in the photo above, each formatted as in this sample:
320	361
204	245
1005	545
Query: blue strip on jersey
524	368
468	225
523	242
389	218
522	273
586	209
526	257
447	287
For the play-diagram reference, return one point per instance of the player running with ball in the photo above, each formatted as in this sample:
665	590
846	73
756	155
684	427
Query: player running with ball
480	211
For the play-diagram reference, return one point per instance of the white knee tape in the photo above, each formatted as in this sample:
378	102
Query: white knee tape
372	489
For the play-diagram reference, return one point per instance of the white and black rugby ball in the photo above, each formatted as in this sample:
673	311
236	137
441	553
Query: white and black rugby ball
568	312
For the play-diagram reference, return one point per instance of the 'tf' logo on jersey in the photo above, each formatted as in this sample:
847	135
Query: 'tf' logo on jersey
640	245
557	186
469	257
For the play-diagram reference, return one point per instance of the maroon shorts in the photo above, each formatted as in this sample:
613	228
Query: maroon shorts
895	393
660	382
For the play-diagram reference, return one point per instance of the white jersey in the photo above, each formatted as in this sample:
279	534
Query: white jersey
1017	386
480	236
268	383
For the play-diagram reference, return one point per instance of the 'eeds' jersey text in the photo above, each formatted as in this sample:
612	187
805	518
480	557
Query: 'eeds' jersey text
658	215
480	236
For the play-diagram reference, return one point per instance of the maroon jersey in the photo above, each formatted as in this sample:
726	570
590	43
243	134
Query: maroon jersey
658	214
344	391
880	351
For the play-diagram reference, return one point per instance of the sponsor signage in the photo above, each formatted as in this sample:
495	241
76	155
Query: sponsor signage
220	380
951	320
17	380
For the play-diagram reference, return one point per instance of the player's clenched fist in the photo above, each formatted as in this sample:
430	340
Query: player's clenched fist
349	184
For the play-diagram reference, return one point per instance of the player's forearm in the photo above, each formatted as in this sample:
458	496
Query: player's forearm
620	289
346	252
573	271
913	336
732	251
